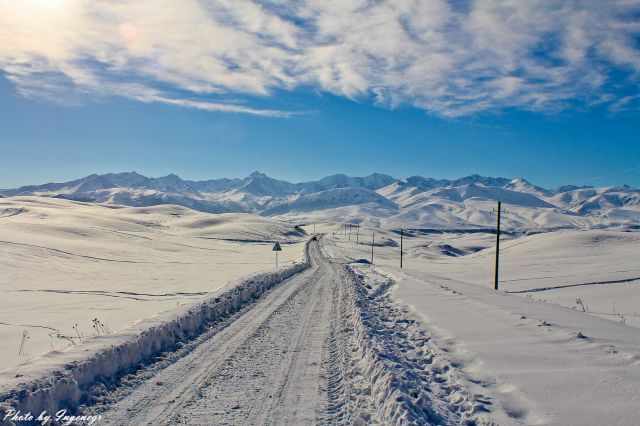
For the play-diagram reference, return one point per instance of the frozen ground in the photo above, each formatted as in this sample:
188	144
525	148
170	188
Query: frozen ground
66	263
263	368
331	339
598	267
317	347
540	362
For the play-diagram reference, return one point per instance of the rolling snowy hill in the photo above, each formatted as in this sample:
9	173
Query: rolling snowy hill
334	198
377	199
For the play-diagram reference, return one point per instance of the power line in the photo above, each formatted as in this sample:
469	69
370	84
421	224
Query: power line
619	172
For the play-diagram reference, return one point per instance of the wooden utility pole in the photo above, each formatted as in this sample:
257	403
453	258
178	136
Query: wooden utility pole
373	242
357	234
498	213
349	232
401	248
497	245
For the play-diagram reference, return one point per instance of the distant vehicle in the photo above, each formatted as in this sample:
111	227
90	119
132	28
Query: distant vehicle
314	238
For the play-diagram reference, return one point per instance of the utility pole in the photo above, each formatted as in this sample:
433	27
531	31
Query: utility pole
498	213
349	232
401	248
373	242
314	228
358	234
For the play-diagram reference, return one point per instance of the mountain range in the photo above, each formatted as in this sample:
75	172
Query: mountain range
377	199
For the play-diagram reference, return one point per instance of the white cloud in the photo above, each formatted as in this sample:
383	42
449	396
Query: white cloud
448	58
215	106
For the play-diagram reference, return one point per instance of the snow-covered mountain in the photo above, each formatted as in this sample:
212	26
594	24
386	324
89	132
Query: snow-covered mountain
377	199
597	201
371	182
334	198
521	185
260	185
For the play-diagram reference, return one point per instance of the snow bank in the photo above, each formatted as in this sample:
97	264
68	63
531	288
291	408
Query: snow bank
70	263
405	379
539	363
65	386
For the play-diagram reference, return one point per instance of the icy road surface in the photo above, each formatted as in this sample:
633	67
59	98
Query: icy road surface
264	367
323	347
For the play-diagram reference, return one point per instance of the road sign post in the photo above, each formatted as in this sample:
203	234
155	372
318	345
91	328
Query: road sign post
401	232
276	248
373	242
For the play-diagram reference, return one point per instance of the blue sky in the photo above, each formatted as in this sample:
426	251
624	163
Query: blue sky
545	90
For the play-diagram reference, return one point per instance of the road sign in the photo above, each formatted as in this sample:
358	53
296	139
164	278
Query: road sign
276	248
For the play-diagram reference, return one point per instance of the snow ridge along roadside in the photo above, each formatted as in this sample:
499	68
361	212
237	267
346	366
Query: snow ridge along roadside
66	386
383	368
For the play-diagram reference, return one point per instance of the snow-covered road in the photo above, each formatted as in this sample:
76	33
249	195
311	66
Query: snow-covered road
264	367
321	347
325	346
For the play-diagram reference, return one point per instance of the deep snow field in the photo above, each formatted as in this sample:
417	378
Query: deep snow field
598	267
535	354
64	264
529	353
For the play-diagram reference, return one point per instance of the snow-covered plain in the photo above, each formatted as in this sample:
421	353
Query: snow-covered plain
66	263
558	344
598	267
536	354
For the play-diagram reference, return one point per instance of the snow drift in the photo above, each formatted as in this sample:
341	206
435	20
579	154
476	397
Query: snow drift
67	385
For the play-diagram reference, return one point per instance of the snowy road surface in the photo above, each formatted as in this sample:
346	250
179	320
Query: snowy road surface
265	367
323	347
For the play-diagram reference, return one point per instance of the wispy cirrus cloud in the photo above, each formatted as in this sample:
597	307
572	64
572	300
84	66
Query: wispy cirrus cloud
449	58
217	106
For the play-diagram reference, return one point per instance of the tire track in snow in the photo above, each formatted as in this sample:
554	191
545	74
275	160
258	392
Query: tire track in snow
230	377
397	368
326	346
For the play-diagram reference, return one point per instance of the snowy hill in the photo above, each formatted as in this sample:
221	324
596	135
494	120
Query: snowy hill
261	185
334	198
482	180
473	191
521	185
599	201
371	182
76	261
405	188
376	199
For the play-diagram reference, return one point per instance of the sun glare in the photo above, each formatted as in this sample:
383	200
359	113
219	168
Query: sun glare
49	4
